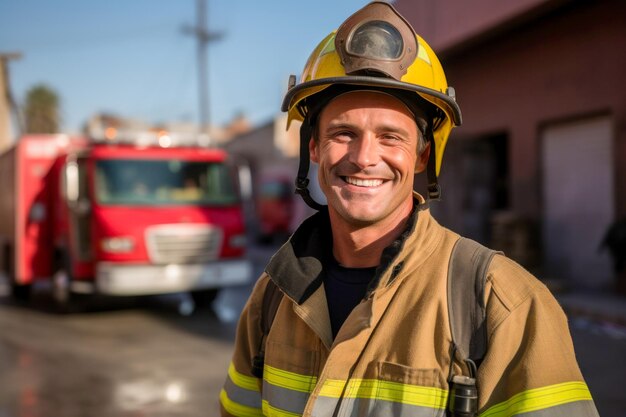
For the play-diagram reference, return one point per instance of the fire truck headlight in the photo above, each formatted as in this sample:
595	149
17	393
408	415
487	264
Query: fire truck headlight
117	244
237	241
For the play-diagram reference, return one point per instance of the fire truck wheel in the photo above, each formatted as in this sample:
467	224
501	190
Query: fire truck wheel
204	298
61	287
20	292
64	301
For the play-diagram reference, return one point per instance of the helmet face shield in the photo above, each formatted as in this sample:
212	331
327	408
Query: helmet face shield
376	39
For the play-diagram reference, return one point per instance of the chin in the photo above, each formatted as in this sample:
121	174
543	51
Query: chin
360	217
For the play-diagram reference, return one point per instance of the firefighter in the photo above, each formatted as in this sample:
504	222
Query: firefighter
363	326
615	242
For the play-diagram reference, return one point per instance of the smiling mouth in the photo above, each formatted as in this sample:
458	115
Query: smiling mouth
362	182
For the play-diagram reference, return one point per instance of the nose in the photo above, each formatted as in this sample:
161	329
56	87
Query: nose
364	151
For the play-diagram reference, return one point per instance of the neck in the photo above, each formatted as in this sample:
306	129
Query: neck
362	246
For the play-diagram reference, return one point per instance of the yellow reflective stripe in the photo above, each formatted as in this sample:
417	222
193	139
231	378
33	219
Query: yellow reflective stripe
329	47
289	380
423	54
359	388
333	388
387	391
243	381
270	411
236	409
541	398
412	394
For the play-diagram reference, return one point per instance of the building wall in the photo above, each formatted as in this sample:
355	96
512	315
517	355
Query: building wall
557	62
565	65
553	69
269	151
447	24
6	130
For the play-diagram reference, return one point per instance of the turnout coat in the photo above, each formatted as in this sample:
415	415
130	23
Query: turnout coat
392	356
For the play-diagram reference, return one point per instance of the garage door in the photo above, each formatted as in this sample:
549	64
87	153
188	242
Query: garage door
578	200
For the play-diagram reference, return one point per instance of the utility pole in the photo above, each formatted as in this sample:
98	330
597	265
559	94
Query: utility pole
8	108
203	37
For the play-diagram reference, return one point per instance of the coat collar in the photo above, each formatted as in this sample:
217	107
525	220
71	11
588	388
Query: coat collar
297	268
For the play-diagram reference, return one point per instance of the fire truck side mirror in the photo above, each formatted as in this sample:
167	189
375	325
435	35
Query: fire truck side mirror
73	187
71	183
245	181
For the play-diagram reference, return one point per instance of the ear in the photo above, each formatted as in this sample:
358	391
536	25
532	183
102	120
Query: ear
313	151
422	160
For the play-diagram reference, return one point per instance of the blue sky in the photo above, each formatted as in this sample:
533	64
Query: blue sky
131	57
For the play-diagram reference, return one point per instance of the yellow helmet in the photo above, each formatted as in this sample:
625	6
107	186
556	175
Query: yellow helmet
377	48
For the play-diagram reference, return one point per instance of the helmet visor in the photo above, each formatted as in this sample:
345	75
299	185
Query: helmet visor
376	40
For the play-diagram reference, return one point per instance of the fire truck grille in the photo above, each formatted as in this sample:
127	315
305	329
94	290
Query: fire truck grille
183	244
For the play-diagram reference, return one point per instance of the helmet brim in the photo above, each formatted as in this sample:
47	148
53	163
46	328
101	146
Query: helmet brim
437	98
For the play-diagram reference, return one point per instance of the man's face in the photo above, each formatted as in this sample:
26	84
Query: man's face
367	154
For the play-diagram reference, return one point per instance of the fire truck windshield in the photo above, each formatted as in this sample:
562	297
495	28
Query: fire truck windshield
163	182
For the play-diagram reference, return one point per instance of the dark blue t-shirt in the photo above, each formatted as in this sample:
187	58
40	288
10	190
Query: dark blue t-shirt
345	288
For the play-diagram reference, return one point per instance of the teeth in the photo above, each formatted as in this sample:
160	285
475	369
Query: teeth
363	183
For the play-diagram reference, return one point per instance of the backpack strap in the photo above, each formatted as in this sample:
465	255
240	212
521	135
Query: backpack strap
467	274
271	300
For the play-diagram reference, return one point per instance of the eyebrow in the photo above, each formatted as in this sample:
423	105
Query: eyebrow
384	128
340	125
351	126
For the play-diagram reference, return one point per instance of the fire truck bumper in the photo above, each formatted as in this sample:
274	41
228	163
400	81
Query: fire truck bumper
144	279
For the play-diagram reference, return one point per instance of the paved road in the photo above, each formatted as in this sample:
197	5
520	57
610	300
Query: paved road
120	357
144	358
601	352
143	361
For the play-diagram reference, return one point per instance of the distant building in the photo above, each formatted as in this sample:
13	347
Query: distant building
9	117
539	166
272	151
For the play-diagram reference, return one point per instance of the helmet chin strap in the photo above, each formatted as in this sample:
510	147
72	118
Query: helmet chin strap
302	180
434	190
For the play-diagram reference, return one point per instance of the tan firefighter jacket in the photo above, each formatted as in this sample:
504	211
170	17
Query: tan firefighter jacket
393	353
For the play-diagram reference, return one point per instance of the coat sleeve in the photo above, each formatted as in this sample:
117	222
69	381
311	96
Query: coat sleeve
241	394
530	367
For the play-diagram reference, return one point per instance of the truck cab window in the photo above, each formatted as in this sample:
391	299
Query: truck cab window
156	182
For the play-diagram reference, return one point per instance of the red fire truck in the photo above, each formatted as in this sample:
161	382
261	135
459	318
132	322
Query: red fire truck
119	219
275	206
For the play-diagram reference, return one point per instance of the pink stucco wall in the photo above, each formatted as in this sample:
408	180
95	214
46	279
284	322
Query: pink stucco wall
446	23
566	63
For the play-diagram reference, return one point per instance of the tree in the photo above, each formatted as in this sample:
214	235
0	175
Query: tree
42	110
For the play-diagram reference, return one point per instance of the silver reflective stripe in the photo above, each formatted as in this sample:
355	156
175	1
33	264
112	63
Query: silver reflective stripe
242	396
573	409
396	409
361	407
284	398
324	406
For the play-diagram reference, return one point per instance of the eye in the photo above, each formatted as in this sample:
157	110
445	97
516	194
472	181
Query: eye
342	135
390	137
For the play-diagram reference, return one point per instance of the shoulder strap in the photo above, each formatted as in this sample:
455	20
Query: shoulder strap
467	274
271	300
